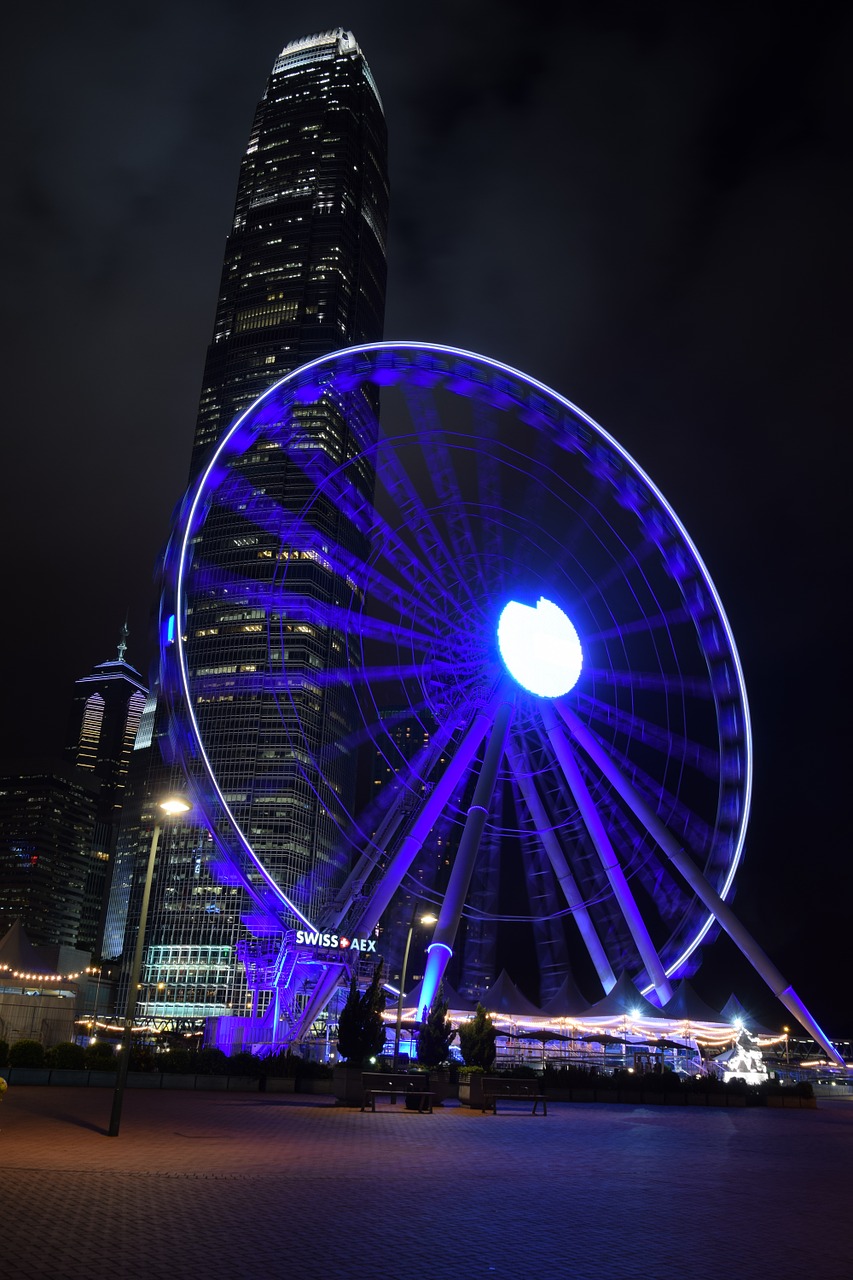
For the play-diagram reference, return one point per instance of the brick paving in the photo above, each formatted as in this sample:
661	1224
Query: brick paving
226	1186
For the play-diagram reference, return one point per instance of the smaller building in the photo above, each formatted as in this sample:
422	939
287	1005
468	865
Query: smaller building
48	849
42	989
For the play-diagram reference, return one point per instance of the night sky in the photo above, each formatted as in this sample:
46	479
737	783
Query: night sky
646	206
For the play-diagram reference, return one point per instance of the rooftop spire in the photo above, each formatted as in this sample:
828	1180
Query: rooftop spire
122	644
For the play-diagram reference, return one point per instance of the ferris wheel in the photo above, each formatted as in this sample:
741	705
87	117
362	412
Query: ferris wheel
491	567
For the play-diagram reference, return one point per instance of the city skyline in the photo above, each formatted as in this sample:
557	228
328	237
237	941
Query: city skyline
649	218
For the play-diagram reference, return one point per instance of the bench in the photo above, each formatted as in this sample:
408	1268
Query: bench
387	1084
495	1087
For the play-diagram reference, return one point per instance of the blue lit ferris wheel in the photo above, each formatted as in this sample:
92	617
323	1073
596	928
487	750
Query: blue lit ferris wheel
436	570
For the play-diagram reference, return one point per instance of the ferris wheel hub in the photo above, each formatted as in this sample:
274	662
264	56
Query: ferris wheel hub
540	647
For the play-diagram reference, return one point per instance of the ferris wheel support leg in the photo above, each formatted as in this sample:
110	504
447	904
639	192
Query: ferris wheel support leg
323	991
704	891
606	853
560	866
441	948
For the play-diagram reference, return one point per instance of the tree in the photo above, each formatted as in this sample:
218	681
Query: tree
477	1040
435	1034
361	1031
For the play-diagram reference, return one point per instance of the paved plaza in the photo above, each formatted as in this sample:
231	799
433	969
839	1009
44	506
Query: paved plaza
228	1185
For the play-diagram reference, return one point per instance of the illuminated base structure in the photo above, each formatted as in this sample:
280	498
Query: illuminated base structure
519	588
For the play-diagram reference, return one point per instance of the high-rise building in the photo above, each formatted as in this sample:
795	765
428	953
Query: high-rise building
304	274
105	714
47	822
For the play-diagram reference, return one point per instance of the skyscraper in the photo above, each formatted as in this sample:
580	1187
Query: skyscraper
304	274
105	714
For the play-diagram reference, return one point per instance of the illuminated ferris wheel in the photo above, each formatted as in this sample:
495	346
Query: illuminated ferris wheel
491	566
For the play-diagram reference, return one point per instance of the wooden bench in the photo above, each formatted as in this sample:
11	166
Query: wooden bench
387	1084
495	1087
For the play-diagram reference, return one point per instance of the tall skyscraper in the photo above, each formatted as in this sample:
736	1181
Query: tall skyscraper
304	274
105	714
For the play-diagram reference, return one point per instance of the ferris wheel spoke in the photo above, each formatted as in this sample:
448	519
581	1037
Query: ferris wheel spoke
653	681
665	621
607	855
385	815
560	866
703	759
297	539
706	893
441	948
398	485
442	475
427	814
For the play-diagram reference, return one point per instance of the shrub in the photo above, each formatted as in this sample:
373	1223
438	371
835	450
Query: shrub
66	1057
361	1031
283	1063
478	1040
26	1053
242	1064
100	1056
436	1033
4	1053
178	1062
212	1062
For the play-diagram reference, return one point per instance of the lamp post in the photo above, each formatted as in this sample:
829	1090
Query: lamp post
429	918
171	806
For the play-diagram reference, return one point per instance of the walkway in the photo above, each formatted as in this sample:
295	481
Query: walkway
227	1186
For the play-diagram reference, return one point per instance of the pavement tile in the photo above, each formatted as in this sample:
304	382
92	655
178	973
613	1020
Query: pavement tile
230	1186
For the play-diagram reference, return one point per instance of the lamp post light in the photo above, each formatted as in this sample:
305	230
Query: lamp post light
171	806
429	918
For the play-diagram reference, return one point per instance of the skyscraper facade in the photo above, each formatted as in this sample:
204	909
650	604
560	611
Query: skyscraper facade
105	714
304	274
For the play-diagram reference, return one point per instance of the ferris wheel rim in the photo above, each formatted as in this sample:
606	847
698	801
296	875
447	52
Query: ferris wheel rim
228	446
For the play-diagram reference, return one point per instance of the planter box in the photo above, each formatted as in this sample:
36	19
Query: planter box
69	1076
171	1081
210	1083
102	1079
675	1100
282	1084
471	1090
144	1079
29	1075
346	1086
241	1084
317	1086
697	1099
583	1095
631	1096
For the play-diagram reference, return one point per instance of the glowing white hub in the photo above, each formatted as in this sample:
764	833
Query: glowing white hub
540	647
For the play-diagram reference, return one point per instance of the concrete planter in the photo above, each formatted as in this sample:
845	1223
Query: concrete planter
281	1084
318	1086
29	1075
69	1076
471	1089
240	1084
177	1082
144	1079
102	1079
346	1086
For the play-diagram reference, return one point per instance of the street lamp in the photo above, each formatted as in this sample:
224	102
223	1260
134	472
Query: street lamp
171	806
429	918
